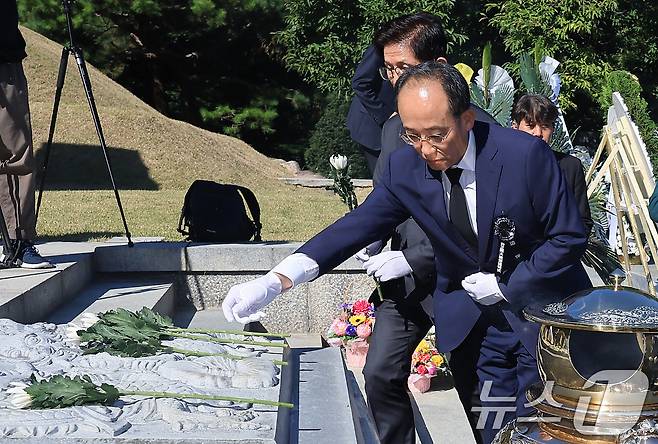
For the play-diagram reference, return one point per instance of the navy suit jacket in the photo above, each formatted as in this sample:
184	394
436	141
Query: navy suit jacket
516	175
373	101
408	237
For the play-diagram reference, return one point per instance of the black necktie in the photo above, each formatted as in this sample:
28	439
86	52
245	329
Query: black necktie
459	207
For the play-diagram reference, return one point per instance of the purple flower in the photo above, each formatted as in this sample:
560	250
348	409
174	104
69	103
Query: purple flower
350	330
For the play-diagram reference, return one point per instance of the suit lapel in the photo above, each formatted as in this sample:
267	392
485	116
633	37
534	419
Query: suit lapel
488	170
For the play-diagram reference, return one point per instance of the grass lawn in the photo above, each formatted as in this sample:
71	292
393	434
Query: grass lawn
155	158
288	213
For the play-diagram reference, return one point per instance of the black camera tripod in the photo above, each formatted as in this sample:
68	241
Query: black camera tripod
71	48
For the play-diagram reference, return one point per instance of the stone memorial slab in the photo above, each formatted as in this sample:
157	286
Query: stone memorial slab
44	350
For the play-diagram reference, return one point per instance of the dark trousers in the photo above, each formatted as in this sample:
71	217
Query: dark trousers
16	154
492	371
371	158
399	328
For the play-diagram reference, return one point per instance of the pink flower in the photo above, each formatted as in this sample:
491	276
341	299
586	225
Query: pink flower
431	370
361	306
339	327
363	330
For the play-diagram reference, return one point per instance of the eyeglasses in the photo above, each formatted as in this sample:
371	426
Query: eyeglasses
435	139
386	72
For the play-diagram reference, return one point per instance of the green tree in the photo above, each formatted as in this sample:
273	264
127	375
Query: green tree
567	31
323	40
631	40
590	39
202	61
159	39
629	87
330	137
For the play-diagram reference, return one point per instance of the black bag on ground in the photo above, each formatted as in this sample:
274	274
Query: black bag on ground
214	212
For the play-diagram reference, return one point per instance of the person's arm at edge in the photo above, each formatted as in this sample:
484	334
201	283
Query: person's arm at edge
367	81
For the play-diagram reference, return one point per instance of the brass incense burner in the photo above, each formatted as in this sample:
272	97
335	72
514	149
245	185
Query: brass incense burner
597	356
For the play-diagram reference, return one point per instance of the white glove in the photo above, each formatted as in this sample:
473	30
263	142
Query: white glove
483	288
387	266
244	301
374	248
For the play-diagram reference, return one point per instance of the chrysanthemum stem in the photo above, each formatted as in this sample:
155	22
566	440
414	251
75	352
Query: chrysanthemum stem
379	290
224	340
206	397
221	355
230	332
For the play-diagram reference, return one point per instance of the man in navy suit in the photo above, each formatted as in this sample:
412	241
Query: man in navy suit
407	272
467	184
372	105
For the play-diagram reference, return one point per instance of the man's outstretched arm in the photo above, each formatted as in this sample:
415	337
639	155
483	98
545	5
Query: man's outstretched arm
376	217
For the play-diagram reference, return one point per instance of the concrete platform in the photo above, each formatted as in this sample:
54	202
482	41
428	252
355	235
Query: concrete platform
31	295
198	257
205	273
130	291
186	315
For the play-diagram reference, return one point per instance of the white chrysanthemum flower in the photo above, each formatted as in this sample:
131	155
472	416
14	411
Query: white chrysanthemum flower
19	397
88	319
72	334
498	78
338	161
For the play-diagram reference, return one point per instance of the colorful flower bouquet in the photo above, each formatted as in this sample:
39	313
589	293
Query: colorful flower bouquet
426	362
351	330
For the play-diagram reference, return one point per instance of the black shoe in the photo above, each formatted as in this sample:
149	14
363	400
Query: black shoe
29	257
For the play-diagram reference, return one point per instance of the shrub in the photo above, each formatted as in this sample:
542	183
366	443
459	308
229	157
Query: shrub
330	136
630	89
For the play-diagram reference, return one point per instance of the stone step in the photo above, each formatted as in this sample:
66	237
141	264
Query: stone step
29	296
189	317
314	380
129	291
189	257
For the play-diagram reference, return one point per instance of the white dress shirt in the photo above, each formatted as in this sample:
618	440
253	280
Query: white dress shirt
466	180
489	291
299	268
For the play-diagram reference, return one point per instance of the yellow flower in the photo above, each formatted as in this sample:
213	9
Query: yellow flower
423	346
357	319
437	360
465	71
